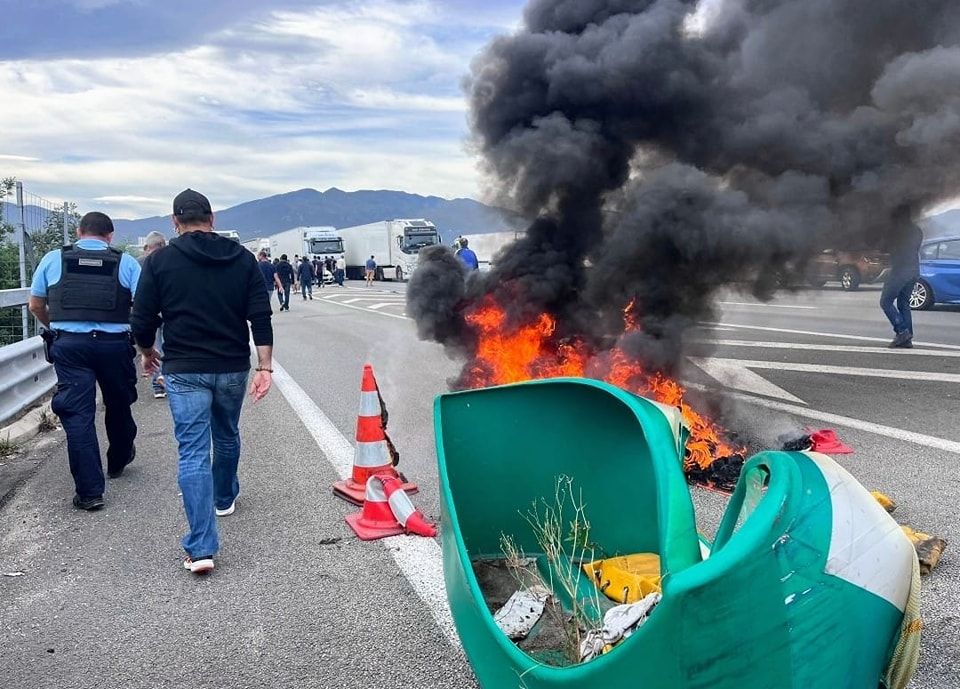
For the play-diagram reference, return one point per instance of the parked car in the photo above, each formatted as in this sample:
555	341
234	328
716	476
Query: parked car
939	281
850	268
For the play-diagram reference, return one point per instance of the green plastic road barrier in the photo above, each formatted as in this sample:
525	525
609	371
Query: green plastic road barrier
805	586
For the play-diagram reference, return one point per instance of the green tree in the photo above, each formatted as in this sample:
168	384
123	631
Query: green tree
9	267
6	189
50	236
9	256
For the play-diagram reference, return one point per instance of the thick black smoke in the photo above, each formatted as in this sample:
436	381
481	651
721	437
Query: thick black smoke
668	149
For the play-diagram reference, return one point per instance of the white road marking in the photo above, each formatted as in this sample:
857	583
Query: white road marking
384	304
764	305
418	558
356	300
828	348
733	374
839	370
365	310
847	422
860	338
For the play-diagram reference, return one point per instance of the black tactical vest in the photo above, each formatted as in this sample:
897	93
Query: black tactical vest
89	288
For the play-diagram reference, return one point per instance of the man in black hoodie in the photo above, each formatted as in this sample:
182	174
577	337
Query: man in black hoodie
204	289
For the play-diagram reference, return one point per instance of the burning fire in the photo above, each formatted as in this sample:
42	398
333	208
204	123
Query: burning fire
531	351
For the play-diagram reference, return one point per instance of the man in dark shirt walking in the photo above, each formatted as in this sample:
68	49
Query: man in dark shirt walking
207	288
305	274
286	275
904	245
269	272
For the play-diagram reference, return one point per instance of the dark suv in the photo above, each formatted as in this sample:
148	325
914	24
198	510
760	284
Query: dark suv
850	268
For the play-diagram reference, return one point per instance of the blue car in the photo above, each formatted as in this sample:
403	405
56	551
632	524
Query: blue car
939	274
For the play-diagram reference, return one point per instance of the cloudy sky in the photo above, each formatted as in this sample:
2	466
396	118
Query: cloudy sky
119	104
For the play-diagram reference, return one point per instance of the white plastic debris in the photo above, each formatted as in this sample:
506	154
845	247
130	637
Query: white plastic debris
522	611
619	623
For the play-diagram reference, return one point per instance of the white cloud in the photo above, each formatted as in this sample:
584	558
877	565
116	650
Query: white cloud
345	95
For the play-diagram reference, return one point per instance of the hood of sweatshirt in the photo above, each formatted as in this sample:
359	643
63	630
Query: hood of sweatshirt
207	248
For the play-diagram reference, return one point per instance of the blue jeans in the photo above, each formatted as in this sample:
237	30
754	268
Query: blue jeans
900	316
306	287
205	407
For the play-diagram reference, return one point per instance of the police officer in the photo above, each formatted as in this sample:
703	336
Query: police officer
83	293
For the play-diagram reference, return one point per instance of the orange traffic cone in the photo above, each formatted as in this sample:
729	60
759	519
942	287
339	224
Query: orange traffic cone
376	519
388	511
406	514
373	452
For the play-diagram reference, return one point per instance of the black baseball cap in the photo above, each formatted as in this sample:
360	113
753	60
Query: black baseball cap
190	202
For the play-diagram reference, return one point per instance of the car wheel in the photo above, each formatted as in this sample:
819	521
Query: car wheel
849	278
921	298
399	274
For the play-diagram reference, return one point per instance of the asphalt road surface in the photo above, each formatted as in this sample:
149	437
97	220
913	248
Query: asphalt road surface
296	601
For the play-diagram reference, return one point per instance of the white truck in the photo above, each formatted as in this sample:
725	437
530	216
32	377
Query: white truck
255	246
487	246
229	234
307	241
394	245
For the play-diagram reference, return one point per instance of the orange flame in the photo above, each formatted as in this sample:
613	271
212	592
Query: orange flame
506	354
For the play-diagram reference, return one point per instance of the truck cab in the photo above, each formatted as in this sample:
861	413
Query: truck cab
411	236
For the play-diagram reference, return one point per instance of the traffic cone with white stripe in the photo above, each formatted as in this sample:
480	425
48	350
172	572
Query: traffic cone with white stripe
388	511
376	519
373	452
408	516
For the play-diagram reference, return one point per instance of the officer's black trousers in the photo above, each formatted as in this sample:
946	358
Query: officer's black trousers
82	361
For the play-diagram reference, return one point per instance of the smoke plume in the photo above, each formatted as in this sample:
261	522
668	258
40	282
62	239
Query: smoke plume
668	148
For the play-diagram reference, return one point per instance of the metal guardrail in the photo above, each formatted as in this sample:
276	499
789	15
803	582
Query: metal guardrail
14	297
25	375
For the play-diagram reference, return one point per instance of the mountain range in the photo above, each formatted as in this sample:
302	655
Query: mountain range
309	207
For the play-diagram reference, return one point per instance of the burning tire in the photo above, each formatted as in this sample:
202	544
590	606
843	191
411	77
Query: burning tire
921	298
849	278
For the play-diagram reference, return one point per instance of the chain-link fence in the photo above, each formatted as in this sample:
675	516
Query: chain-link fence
30	226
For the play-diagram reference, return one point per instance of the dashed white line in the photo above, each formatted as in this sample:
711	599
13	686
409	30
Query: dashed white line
419	559
772	306
855	349
930	376
841	336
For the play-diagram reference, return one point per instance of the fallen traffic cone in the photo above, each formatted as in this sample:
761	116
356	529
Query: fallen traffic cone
827	442
374	450
376	519
406	514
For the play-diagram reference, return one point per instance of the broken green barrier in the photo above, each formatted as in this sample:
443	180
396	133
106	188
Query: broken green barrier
805	586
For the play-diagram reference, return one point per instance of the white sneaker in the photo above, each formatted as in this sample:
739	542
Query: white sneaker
198	566
227	512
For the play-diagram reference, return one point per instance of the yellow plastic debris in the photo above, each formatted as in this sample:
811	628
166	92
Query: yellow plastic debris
626	579
884	500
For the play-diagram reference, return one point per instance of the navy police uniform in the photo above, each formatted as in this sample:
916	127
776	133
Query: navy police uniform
89	289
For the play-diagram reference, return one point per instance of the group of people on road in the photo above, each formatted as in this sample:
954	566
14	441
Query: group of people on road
206	294
283	277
